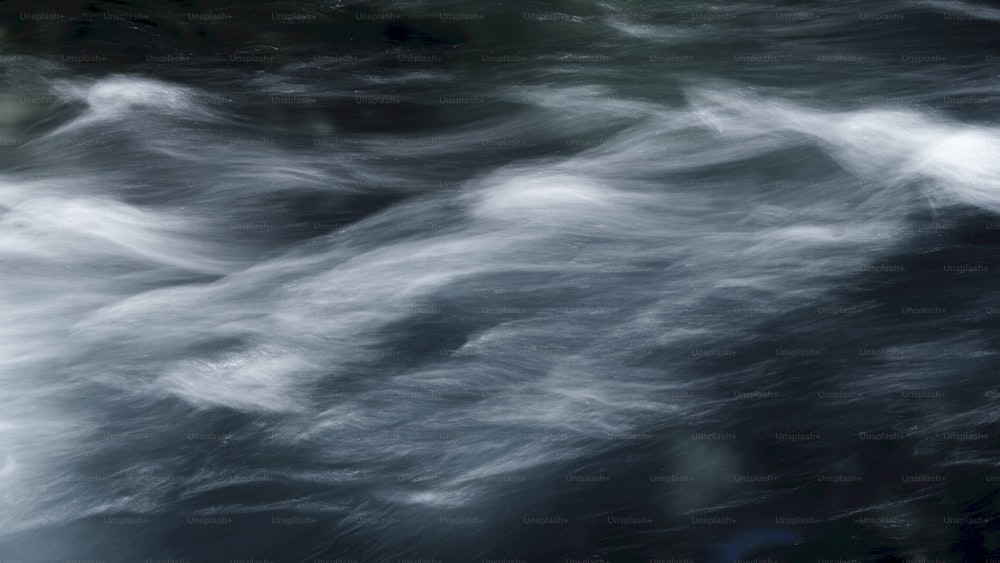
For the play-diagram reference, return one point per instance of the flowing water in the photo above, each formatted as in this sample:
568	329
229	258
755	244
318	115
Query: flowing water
526	281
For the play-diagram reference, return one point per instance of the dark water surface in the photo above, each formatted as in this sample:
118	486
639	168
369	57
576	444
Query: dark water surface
502	281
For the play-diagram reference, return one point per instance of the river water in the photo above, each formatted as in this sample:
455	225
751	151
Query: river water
526	281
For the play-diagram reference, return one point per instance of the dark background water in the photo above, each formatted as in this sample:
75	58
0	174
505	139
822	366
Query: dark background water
520	281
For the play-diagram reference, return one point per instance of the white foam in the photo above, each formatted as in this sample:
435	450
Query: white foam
897	147
547	198
263	378
120	96
77	230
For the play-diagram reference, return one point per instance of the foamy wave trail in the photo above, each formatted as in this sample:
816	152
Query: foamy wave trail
594	281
